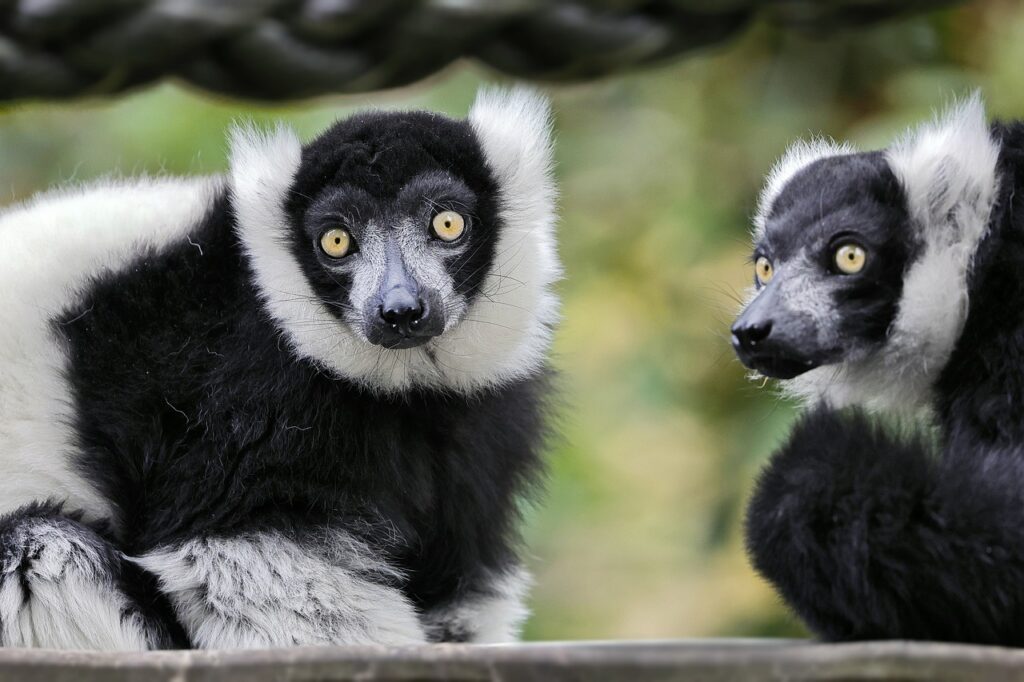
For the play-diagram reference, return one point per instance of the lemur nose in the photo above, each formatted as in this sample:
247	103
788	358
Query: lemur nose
401	311
750	334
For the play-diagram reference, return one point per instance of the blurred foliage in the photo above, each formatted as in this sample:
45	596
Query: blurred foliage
661	435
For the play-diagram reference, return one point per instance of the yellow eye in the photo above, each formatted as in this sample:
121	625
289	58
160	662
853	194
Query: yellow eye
850	259
448	226
764	270
336	243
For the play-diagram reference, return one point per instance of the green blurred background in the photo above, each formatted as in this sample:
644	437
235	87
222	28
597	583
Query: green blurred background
661	434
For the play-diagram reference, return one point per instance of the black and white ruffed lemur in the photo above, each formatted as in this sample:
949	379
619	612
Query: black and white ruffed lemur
891	283
298	404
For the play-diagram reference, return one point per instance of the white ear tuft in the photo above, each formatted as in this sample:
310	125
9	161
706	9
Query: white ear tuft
514	128
947	169
947	166
800	154
262	166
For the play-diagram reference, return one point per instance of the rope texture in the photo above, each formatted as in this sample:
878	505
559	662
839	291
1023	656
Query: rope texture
283	49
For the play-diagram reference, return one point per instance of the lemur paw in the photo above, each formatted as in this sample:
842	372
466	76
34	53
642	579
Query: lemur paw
63	586
261	590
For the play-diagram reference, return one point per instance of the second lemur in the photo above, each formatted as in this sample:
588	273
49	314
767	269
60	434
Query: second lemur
889	287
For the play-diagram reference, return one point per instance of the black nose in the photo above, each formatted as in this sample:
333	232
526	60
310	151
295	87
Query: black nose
748	334
401	311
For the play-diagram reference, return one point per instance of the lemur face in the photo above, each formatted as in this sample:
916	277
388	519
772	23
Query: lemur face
829	267
394	224
862	262
407	250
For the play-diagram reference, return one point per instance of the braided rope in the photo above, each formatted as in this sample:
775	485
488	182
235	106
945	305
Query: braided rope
280	49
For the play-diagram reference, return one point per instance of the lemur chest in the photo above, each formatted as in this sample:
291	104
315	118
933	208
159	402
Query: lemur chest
190	463
271	442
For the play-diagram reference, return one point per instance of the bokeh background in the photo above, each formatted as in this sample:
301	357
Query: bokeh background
661	435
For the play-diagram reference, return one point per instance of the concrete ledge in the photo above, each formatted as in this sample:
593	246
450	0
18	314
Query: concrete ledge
711	660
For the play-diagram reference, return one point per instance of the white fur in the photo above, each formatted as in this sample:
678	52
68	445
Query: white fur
265	590
800	154
67	600
948	172
52	246
494	615
503	336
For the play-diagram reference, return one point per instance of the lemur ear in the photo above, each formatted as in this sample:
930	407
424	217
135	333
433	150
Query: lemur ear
514	130
262	164
947	169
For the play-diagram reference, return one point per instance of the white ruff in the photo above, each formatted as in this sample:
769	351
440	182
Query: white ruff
264	590
505	334
948	172
53	245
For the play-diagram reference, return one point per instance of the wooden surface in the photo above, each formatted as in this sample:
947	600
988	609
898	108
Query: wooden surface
710	660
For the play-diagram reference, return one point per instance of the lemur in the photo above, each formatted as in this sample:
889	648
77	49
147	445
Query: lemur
889	296
297	404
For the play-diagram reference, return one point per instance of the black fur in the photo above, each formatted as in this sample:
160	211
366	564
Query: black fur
196	419
869	534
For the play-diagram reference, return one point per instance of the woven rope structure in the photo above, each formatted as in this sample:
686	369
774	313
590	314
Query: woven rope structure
282	49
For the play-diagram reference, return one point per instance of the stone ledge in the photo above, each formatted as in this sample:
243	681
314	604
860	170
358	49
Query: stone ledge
711	660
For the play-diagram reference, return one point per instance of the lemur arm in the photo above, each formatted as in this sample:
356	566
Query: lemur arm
872	536
263	589
492	611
